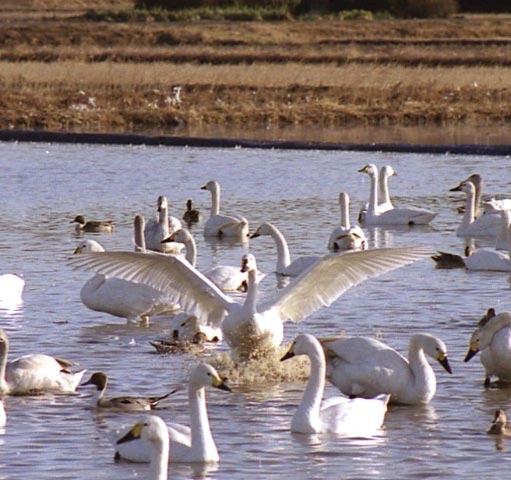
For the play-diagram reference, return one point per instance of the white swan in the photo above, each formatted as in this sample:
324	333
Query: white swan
226	277
384	202
365	367
128	403
493	339
284	265
248	327
160	228
187	444
154	432
93	226
130	300
35	373
346	236
223	225
489	206
359	417
470	226
11	288
395	216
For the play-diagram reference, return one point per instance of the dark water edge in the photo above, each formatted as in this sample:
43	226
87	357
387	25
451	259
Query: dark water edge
455	140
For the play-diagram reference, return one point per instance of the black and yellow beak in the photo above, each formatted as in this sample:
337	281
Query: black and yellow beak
473	350
289	354
219	382
133	434
442	360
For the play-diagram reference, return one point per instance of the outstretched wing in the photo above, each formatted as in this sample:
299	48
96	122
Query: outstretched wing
169	274
328	278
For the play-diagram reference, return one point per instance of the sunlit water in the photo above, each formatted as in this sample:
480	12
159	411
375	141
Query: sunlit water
59	437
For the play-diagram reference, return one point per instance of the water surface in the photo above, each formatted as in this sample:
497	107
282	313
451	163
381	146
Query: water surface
45	185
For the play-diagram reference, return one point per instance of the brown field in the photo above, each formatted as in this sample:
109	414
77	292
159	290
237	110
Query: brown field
59	71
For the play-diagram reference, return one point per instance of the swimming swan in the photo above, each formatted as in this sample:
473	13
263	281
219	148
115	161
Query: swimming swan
346	236
35	373
493	339
470	226
365	367
248	327
223	225
93	226
357	417
11	288
128	403
118	297
395	216
226	277
154	432
160	228
187	444
284	265
384	202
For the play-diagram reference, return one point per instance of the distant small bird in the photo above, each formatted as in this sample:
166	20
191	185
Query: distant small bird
100	381
499	426
176	347
191	215
93	226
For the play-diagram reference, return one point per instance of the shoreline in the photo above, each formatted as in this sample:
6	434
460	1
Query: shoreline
225	142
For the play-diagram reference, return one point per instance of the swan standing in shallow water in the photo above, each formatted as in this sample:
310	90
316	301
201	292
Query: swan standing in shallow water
251	329
11	288
159	229
194	444
365	367
35	373
119	297
395	216
346	236
493	339
470	226
154	432
226	277
284	265
100	381
221	226
359	417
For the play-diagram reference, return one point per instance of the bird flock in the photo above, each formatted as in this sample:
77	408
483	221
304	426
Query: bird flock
160	275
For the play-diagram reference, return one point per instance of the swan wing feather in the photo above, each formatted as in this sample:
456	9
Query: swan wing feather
169	274
322	283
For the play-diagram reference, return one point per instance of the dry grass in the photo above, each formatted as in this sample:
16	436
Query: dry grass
77	74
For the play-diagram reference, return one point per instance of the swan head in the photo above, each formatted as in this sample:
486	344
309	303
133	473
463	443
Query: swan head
162	203
482	337
465	186
204	375
88	246
432	346
211	186
248	263
263	229
98	379
370	169
476	179
303	344
388	171
179	236
152	429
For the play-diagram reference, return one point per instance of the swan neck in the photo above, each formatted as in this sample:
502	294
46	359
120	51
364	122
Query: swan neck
202	440
191	251
373	195
251	298
283	255
158	469
384	188
345	212
469	216
215	200
3	366
423	375
139	236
